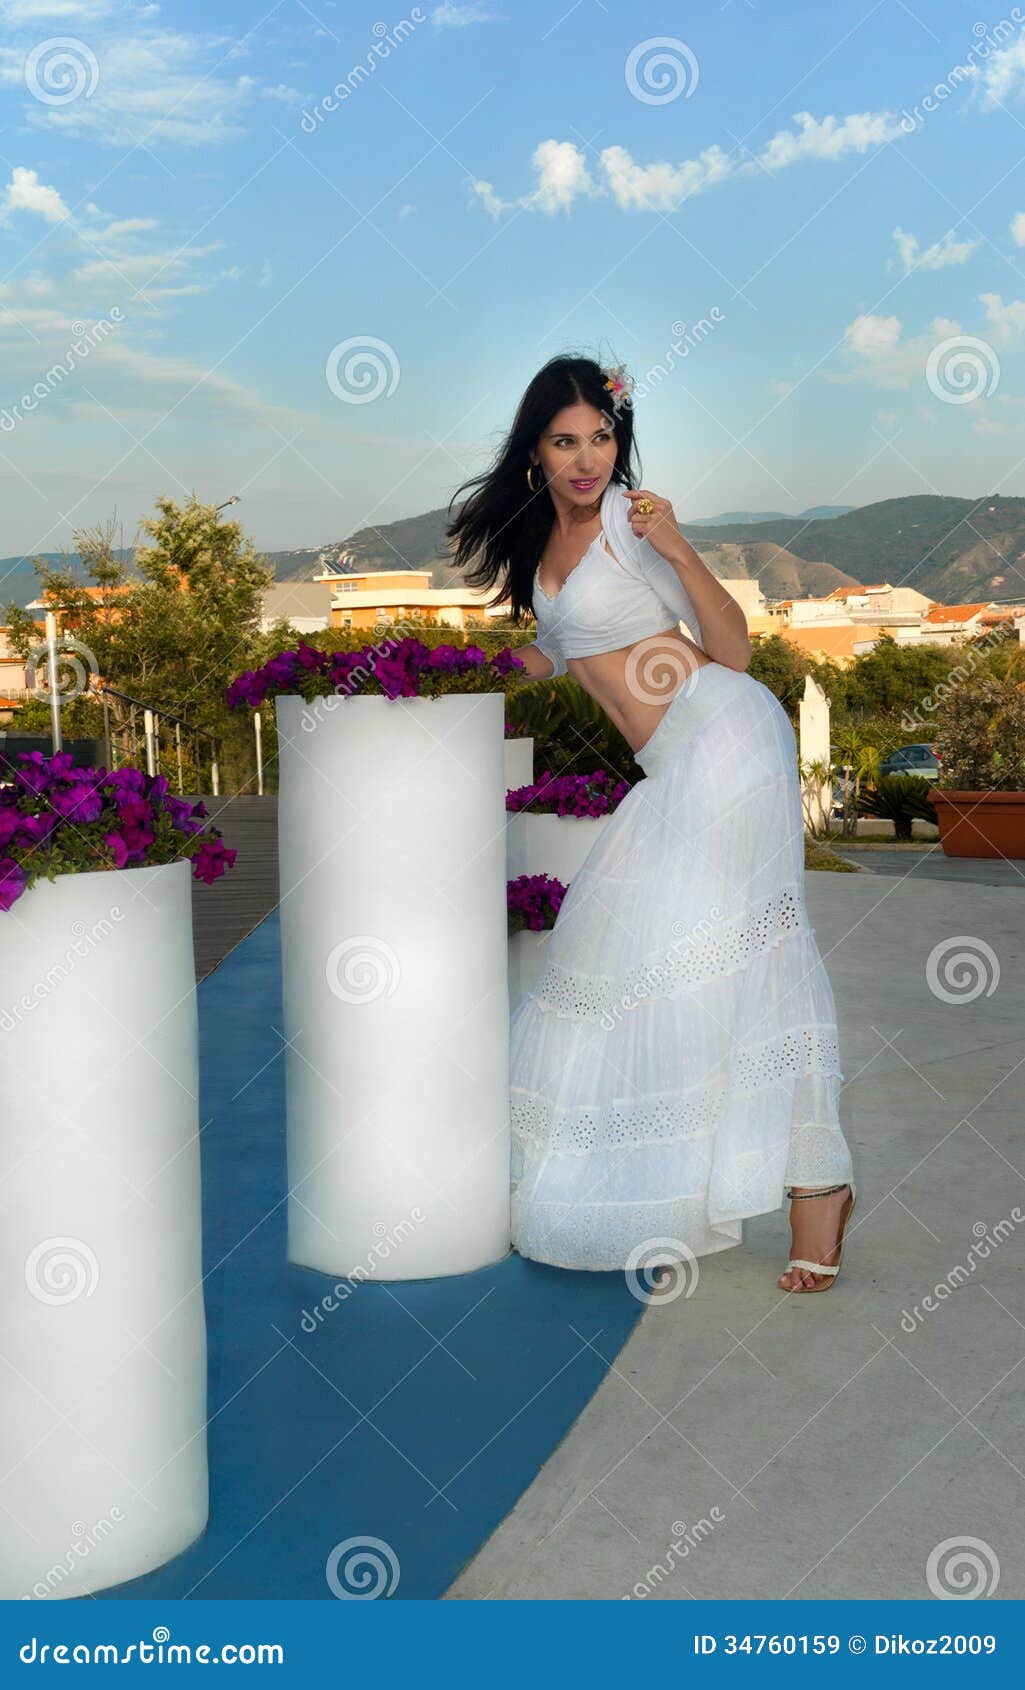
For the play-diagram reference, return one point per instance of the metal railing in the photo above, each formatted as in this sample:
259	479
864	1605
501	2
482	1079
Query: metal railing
152	717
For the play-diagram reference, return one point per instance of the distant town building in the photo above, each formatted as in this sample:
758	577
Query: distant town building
850	620
363	600
306	605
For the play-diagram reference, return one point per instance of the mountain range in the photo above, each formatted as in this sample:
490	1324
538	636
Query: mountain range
955	551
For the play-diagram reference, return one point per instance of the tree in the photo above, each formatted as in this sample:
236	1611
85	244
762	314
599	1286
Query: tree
174	628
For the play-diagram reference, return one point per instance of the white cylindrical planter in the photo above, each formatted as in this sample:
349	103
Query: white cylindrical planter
519	763
526	960
103	1467
391	820
548	844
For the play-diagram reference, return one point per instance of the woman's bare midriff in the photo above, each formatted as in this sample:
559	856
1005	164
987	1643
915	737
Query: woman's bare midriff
636	684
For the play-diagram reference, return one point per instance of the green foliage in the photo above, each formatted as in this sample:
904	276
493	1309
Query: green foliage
980	735
899	799
781	666
171	648
893	678
571	732
818	856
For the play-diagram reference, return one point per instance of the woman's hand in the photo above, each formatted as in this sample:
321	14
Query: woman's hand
660	526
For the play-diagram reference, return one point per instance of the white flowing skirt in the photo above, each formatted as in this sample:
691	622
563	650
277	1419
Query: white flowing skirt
677	1063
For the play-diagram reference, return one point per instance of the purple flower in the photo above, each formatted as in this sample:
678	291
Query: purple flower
117	847
34	775
311	657
211	860
33	830
80	802
533	901
12	882
10	819
134	810
506	660
54	814
597	794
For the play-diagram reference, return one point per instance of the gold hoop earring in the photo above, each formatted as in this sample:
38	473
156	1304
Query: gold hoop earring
530	484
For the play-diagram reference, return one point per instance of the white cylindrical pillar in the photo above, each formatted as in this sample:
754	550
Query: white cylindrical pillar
391	819
103	1466
519	762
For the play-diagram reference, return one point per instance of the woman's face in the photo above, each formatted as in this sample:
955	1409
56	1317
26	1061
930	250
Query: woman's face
577	453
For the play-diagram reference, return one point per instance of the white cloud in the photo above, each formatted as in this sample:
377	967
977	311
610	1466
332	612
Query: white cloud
940	256
155	86
1018	229
873	336
34	11
119	374
563	173
25	192
287	96
451	16
1008	321
1003	75
126	226
878	355
830	137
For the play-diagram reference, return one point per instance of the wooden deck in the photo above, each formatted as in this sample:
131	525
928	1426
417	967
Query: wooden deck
222	914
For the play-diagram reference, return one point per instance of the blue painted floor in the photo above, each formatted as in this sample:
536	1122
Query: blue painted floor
416	1413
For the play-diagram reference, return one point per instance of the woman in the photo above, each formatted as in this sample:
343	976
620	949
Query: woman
676	1066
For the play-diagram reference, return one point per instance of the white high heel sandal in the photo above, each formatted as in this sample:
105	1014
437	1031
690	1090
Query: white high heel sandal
820	1267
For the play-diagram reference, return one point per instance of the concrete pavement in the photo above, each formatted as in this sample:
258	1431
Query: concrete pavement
748	1444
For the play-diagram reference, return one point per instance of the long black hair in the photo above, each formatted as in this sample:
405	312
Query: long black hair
501	529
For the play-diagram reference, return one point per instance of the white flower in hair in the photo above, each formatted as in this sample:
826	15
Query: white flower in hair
620	385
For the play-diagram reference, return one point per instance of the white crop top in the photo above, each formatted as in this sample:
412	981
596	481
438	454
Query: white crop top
607	602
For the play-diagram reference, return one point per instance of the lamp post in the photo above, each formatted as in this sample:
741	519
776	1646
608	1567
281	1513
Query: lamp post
52	679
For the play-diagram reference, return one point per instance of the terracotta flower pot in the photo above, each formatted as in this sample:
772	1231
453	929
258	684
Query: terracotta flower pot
980	824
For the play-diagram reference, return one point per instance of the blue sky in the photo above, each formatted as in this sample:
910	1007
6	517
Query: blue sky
801	227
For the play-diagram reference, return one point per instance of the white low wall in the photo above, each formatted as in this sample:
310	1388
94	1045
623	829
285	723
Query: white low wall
549	844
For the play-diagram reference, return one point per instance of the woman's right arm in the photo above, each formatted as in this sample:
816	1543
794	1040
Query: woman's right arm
540	662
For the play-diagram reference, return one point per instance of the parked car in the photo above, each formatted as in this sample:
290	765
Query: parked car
922	760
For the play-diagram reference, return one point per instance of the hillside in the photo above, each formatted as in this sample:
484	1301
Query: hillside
953	550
